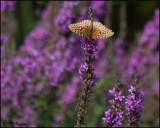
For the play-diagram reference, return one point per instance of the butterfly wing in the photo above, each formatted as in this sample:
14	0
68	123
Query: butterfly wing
100	31
82	28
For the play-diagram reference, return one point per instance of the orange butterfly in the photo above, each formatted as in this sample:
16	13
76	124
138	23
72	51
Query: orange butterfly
91	30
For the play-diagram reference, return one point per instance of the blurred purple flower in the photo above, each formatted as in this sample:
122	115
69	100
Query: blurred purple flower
70	4
65	16
45	14
71	90
151	28
99	8
4	39
8	5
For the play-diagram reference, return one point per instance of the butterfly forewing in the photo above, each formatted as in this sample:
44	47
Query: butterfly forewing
81	28
100	31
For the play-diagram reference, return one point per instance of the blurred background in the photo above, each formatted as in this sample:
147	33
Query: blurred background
40	60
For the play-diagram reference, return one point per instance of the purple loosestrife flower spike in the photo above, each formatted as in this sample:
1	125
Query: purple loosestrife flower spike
89	47
134	104
114	115
87	75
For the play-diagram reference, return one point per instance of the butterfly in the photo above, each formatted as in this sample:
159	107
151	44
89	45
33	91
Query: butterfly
91	30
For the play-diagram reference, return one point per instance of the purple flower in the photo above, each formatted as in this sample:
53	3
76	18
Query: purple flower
119	96
65	16
131	90
89	48
70	4
114	115
144	58
151	28
99	8
108	116
134	104
70	90
156	17
45	14
89	45
91	83
3	38
72	61
111	101
113	91
3	6
10	5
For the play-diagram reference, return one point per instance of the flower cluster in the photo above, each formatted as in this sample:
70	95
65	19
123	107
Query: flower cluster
144	58
89	47
4	39
27	72
99	8
141	56
120	53
5	18
114	115
151	29
7	5
137	62
134	104
66	15
86	70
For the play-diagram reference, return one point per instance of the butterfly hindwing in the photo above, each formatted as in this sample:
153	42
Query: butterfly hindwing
82	28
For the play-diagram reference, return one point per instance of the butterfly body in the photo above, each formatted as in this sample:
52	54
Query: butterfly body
91	30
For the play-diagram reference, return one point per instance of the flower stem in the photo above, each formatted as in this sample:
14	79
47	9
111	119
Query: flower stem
87	90
89	46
